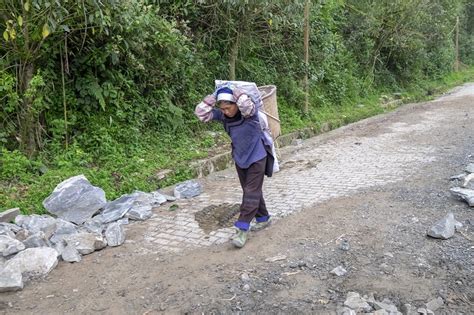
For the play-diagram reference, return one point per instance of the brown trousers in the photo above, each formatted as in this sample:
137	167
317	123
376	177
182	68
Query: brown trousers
251	180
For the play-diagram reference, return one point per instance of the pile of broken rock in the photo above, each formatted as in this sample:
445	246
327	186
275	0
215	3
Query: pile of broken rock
466	188
83	222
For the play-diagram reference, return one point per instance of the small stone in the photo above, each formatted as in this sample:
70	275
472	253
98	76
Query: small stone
388	254
422	311
10	246
344	245
355	302
407	309
188	189
9	215
246	287
276	258
123	221
115	234
86	243
470	168
435	304
95	225
71	254
22	235
245	277
293	265
444	228
339	271
140	213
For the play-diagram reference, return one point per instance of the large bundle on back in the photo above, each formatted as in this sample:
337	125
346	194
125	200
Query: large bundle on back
264	98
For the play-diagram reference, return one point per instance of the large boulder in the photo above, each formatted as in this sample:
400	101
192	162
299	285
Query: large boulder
10	246
34	262
75	200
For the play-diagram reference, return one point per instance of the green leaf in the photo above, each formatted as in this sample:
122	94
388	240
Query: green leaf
5	35
173	207
27	6
20	20
45	31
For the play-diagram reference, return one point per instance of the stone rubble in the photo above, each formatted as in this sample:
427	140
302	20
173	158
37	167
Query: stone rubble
357	304
465	189
84	222
444	228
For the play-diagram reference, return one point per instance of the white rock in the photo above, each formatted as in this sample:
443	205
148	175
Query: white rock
9	246
355	302
34	262
464	193
275	258
444	228
339	271
86	243
70	254
10	279
245	277
140	213
435	304
115	234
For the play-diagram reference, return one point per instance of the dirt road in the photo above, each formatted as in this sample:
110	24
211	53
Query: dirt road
361	197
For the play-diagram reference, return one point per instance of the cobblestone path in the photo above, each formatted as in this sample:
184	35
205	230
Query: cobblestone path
340	163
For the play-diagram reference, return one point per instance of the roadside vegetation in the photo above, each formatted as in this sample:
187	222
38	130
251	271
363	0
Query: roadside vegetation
107	88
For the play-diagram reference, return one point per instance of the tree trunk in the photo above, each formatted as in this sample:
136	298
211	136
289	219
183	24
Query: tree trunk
306	55
28	143
234	52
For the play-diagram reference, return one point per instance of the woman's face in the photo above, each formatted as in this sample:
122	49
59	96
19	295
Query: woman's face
229	109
